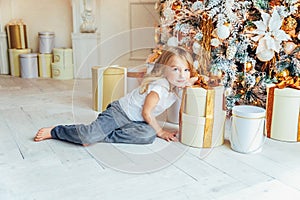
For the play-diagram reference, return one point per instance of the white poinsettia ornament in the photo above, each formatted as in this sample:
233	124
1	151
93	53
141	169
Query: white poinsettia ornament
269	35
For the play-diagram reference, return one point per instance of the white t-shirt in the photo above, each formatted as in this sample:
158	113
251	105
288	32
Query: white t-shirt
133	102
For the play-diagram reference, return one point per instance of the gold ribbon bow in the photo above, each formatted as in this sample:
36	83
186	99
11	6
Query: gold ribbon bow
292	82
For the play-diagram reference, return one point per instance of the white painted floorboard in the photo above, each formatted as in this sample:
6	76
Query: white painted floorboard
58	170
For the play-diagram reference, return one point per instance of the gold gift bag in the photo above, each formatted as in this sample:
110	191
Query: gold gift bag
17	36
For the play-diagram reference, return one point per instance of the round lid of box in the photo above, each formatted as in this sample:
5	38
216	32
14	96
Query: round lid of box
46	33
28	55
248	111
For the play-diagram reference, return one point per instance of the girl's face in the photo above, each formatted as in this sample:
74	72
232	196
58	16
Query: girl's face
177	72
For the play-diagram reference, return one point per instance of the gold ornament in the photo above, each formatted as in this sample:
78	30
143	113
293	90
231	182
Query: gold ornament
248	66
274	3
289	24
176	5
284	73
297	55
289	47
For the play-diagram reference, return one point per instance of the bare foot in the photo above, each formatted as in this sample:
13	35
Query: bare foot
43	134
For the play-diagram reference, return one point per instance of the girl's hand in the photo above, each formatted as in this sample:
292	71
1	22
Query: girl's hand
168	136
191	81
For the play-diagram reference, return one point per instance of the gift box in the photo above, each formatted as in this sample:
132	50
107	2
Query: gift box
29	65
63	56
14	60
17	36
202	118
62	72
247	128
46	42
45	61
283	114
108	84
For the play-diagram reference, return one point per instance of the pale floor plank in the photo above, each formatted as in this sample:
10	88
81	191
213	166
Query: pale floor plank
58	170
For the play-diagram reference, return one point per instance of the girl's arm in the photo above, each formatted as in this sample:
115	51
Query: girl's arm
150	102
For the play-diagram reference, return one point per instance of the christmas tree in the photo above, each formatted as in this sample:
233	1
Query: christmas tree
243	44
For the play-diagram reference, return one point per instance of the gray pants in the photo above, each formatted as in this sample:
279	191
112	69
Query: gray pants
112	125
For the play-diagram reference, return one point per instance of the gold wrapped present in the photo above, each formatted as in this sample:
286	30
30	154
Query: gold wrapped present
202	118
283	106
45	61
108	84
17	36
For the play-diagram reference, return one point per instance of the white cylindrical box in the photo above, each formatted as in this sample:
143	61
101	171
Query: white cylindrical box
193	130
247	128
29	65
45	61
46	42
285	117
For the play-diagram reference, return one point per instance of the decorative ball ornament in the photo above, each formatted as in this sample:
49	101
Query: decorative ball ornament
297	55
176	5
223	32
289	24
283	74
289	47
248	66
215	42
265	55
196	48
274	3
172	42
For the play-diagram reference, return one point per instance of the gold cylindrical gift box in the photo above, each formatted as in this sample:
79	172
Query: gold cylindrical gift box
108	84
14	60
45	61
17	36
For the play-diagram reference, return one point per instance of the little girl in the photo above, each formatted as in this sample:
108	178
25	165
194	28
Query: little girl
132	118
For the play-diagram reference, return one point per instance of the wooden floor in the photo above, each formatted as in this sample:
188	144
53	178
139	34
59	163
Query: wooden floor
58	170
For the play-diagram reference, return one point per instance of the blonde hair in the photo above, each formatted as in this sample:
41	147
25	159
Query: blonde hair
160	64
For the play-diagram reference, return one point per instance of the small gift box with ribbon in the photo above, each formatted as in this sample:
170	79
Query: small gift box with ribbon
202	118
283	106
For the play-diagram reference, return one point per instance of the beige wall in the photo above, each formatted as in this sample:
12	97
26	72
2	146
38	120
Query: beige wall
40	15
